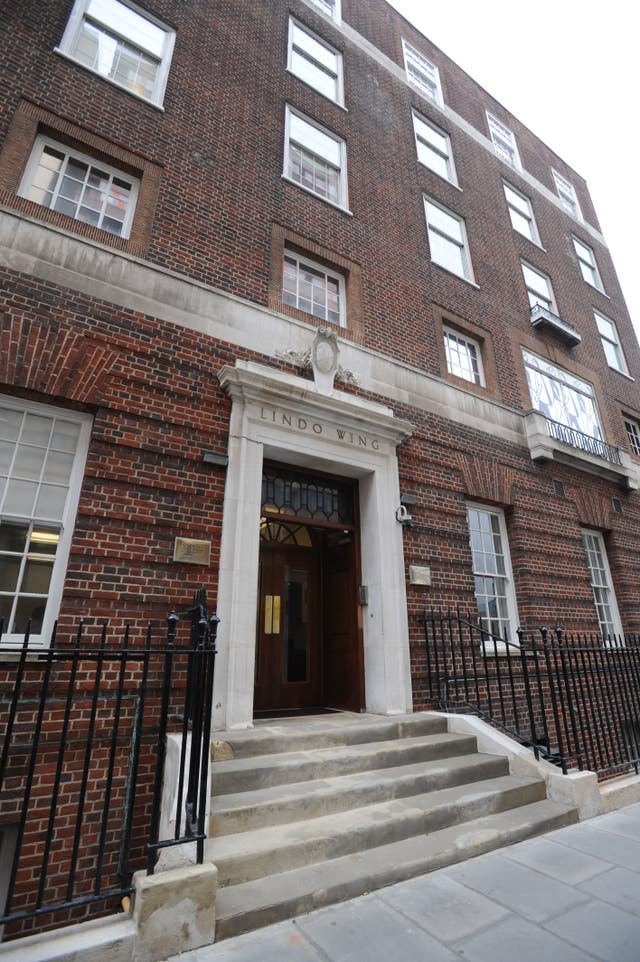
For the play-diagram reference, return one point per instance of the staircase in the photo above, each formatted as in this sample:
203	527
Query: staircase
310	811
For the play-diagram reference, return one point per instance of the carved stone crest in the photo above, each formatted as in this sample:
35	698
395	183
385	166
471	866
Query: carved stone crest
322	359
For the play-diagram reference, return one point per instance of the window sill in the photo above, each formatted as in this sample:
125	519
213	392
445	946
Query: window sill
113	83
309	86
331	203
444	180
459	276
623	373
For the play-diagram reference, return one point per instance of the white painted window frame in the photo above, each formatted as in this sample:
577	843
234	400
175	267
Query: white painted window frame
429	148
330	8
74	25
430	87
467	275
67	523
504	142
32	165
510	591
339	75
301	259
621	367
343	194
551	306
468	342
533	235
587	263
632	427
613	601
567	194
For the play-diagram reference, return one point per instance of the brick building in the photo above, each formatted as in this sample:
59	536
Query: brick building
189	193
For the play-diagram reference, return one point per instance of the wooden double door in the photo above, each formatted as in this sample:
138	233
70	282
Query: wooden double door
309	651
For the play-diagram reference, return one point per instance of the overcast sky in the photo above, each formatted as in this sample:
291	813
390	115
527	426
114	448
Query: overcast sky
568	70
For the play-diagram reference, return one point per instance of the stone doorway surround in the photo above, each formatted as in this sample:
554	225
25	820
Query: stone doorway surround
286	418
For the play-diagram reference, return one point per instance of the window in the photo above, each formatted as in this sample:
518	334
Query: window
434	148
315	62
504	142
315	159
610	343
492	575
587	264
633	433
521	213
447	240
562	397
313	289
463	356
539	289
80	187
567	195
42	453
601	583
122	44
330	7
422	74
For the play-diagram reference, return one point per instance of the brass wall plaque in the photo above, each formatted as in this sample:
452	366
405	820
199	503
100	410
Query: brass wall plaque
190	551
420	575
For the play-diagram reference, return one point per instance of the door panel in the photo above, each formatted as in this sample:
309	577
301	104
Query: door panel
343	668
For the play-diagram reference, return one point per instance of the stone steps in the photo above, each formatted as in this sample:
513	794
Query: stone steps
309	811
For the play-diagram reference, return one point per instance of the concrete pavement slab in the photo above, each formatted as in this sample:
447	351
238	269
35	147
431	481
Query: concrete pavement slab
610	934
367	929
277	943
442	906
619	887
517	939
595	840
550	858
523	890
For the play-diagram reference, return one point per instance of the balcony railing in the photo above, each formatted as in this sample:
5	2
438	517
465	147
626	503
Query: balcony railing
541	316
600	449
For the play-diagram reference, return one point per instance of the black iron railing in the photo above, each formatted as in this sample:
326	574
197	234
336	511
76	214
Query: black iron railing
573	699
561	432
85	726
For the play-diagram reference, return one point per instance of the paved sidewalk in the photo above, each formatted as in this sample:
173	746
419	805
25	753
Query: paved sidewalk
569	896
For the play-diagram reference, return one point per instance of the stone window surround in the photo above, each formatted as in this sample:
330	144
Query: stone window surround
28	122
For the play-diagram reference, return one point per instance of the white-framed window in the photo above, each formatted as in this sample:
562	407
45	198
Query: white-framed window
315	61
433	146
562	397
80	187
330	7
122	43
492	573
521	213
422	74
315	158
539	289
312	288
603	594
447	239
633	433
463	355
504	142
587	264
610	343
567	194
42	456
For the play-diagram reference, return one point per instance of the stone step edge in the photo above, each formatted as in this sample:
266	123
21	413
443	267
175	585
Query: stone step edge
280	804
303	890
251	855
290	767
353	731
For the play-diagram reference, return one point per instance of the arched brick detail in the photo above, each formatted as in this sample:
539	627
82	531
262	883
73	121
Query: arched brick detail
54	360
486	479
594	510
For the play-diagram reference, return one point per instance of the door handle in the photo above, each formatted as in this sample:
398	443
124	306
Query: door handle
272	614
